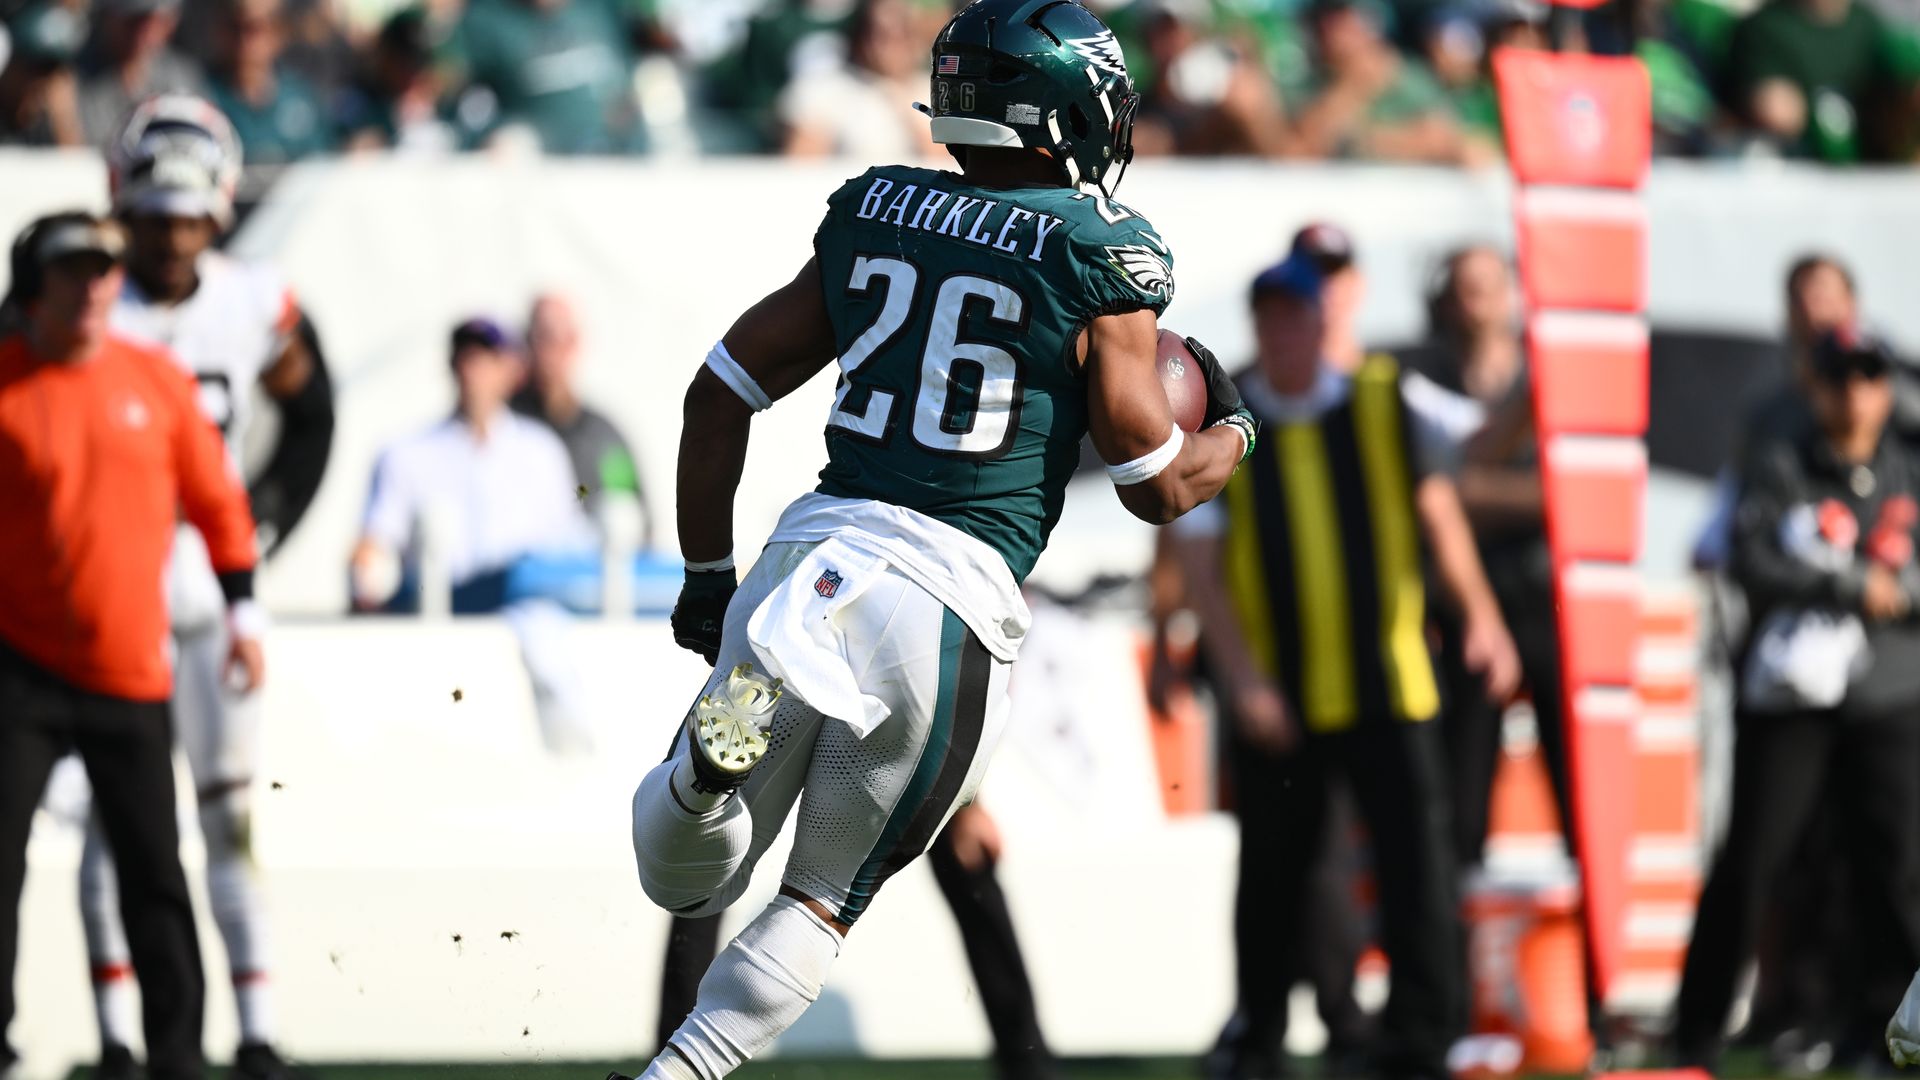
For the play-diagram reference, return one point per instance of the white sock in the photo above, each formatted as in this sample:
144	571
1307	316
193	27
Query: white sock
687	859
757	987
238	910
107	952
253	1000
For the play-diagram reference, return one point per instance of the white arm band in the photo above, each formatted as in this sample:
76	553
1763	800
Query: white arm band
1150	465
710	567
722	363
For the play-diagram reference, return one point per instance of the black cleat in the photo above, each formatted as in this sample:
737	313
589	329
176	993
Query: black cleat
617	1076
258	1061
116	1063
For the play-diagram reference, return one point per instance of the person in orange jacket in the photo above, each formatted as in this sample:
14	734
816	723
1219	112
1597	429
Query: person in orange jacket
103	448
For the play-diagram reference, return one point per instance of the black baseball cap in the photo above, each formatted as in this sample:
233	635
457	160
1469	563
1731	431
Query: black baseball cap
1843	353
1328	245
53	238
483	332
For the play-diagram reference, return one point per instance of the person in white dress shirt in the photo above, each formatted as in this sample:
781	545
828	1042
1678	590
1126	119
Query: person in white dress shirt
480	490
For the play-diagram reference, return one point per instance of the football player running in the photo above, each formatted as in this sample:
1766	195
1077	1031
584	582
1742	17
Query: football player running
984	322
173	169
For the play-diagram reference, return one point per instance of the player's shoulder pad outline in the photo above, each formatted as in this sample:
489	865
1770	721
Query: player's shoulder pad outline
1128	247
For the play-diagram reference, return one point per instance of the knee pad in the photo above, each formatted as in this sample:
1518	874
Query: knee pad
688	863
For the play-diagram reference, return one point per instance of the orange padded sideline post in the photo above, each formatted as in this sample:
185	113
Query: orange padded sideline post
1579	138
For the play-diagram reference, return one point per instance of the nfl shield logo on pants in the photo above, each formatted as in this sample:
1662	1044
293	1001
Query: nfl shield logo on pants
828	584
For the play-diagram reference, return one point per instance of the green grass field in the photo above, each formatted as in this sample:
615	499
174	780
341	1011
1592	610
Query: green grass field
783	1070
1132	1069
1740	1064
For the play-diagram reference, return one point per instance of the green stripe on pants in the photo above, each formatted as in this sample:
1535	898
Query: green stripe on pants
933	754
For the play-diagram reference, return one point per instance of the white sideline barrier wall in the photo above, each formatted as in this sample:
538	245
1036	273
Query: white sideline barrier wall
391	818
387	255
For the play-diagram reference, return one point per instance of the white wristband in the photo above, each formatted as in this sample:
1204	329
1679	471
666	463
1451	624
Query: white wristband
1150	465
711	567
246	620
729	371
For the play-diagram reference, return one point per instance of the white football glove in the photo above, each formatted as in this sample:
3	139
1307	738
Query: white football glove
1903	1031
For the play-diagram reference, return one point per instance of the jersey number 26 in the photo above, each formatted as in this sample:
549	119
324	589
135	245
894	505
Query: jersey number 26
969	391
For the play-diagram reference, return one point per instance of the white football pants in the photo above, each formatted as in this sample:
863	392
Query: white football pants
868	806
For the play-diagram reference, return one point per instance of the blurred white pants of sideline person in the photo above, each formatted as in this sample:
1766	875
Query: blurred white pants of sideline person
561	701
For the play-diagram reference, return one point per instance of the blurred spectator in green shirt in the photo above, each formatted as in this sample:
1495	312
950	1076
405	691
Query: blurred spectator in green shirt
559	69
1209	95
862	107
127	60
1455	49
398	103
1680	42
1816	78
38	104
1365	100
277	115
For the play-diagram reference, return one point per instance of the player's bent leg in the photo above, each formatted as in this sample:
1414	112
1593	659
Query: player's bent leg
869	806
756	988
696	856
109	961
698	828
686	857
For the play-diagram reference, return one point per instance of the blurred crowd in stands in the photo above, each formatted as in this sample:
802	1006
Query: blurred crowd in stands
1836	81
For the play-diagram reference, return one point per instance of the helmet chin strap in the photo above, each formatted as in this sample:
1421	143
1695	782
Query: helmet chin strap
1123	123
1112	183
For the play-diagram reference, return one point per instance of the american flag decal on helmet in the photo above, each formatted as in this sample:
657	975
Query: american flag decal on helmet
947	65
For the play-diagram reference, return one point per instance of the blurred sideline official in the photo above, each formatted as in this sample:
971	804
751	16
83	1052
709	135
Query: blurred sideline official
1470	378
102	446
1307	574
1823	539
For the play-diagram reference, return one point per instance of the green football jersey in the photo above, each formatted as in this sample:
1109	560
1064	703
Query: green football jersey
956	308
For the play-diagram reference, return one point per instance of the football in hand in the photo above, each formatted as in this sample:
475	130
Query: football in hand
1181	377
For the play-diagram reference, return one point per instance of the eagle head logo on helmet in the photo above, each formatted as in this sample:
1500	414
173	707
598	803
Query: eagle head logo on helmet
176	155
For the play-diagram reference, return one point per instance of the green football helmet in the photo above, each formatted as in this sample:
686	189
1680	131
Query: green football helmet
1042	74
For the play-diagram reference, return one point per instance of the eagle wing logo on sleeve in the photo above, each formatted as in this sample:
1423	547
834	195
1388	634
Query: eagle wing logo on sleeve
1100	50
1144	268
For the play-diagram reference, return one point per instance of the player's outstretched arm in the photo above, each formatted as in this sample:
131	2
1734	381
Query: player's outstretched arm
772	350
1159	472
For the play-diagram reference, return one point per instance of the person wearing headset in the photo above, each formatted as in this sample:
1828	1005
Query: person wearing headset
102	446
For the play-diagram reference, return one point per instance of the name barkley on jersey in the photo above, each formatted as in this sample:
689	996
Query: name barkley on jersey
962	217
